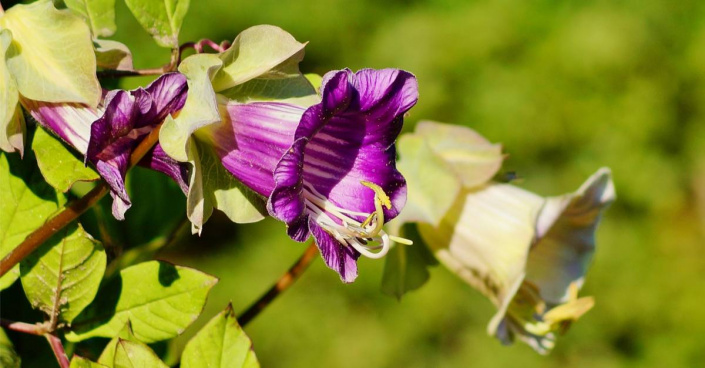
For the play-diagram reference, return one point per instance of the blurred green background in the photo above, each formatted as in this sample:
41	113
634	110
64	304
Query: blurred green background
567	87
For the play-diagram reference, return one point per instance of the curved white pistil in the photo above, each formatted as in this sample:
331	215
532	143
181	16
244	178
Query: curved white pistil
347	230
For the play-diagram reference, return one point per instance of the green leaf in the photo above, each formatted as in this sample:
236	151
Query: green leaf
26	201
38	58
61	278
99	14
431	185
259	51
160	300
406	266
212	186
130	354
107	357
8	355
220	343
60	166
114	55
200	109
471	156
11	118
79	362
161	18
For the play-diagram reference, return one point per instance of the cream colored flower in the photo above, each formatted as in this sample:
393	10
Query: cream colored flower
528	254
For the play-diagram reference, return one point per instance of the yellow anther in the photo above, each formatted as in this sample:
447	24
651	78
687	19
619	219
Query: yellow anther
379	193
381	199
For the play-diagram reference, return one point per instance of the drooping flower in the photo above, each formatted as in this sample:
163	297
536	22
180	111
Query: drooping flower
108	134
327	170
526	253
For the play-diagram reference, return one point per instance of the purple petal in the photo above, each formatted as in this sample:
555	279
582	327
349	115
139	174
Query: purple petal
347	139
254	138
158	160
69	121
113	172
131	115
338	257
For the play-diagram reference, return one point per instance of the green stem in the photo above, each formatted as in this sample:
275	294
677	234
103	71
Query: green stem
284	282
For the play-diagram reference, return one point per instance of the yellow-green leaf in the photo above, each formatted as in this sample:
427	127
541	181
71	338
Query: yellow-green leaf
112	55
131	354
61	278
161	18
79	362
108	355
60	167
220	344
26	201
99	14
159	299
11	118
51	54
259	51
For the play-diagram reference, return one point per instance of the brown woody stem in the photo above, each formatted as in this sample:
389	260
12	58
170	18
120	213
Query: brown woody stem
72	211
284	282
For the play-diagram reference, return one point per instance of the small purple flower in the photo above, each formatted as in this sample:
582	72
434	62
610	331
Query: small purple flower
329	170
108	134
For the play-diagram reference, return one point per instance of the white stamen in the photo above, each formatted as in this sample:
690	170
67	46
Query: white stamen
349	231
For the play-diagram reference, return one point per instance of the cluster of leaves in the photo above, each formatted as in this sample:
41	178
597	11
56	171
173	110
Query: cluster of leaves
83	290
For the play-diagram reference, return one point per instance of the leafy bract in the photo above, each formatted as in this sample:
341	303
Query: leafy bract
79	362
26	201
221	343
431	185
259	51
212	186
406	266
200	109
99	14
111	54
61	278
159	299
471	156
131	354
38	57
60	167
295	89
11	118
161	18
8	355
